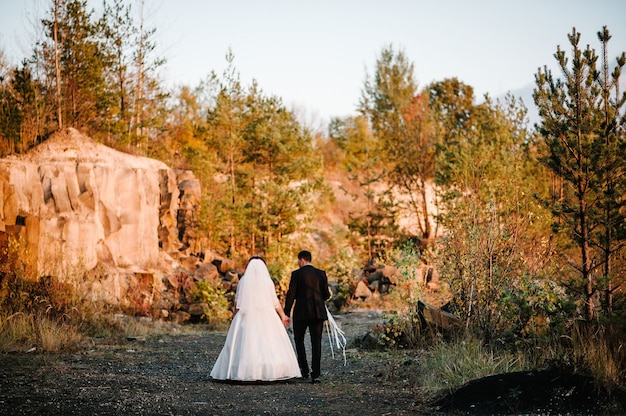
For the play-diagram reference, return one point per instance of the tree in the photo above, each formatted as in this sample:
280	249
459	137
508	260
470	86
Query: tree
354	138
24	120
150	111
358	146
10	114
119	33
224	126
384	97
451	104
580	129
280	169
488	212
400	119
57	64
612	235
75	40
30	94
10	120
267	162
415	156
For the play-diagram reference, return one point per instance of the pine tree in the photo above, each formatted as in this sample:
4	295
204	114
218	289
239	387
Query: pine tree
611	237
150	111
11	117
260	150
74	39
24	119
580	129
120	33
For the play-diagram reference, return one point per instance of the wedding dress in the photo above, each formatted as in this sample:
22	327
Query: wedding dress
257	346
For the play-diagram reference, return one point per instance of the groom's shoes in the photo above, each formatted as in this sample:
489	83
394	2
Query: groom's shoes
315	380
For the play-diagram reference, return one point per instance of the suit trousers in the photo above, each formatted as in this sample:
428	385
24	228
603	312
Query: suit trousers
315	327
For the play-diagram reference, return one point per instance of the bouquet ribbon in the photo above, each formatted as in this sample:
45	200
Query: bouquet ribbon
336	336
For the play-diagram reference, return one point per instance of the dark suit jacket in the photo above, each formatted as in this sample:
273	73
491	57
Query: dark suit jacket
309	288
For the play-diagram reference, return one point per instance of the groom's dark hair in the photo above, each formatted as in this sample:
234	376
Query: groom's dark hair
306	255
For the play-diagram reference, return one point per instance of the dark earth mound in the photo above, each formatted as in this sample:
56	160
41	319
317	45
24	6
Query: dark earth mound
549	392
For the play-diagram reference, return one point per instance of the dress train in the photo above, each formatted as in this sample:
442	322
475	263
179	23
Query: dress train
257	348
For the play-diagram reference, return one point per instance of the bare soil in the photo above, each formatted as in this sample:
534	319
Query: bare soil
168	374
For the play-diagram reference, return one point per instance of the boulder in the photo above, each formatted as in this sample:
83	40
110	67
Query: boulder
198	309
206	271
180	317
362	291
391	273
437	317
225	265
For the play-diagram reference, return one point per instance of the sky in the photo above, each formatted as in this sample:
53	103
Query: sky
316	54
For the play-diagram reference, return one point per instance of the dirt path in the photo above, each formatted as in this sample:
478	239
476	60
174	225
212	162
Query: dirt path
169	375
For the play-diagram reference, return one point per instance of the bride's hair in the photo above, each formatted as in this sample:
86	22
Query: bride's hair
256	256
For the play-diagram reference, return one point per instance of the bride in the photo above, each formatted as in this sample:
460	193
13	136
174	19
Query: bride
257	346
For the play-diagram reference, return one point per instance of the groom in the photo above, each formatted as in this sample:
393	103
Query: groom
309	288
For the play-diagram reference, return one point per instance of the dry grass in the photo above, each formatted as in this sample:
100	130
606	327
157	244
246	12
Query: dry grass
23	332
597	351
30	332
602	351
446	366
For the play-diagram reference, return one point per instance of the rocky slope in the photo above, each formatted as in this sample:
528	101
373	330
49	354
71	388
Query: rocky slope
104	221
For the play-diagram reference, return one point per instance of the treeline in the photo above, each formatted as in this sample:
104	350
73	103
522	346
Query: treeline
498	205
95	73
100	74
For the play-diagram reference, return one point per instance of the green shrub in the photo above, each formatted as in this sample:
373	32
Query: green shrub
280	264
533	309
339	270
219	311
392	333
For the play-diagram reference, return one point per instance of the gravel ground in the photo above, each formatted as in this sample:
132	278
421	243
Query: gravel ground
168	374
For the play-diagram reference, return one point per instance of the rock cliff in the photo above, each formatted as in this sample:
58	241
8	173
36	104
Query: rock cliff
102	220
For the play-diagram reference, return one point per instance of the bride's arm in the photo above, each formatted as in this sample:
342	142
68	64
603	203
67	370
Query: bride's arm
283	317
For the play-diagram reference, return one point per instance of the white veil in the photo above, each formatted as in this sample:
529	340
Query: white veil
256	289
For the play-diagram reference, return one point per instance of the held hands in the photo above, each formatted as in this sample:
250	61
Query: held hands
283	316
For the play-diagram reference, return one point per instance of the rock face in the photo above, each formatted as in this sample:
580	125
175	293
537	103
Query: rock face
81	209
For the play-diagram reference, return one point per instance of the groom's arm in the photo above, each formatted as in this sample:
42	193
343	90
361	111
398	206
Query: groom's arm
325	291
291	294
